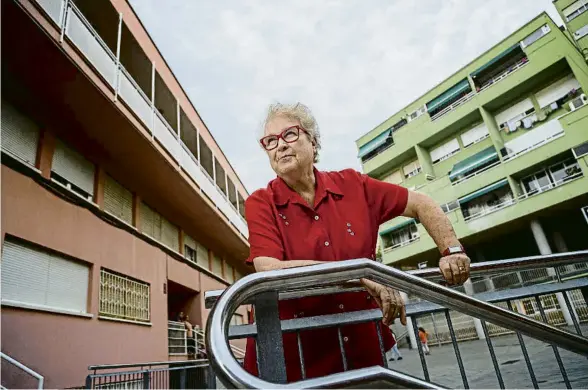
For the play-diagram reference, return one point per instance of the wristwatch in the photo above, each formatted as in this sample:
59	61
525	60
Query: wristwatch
452	250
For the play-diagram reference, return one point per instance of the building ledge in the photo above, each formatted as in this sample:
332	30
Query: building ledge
48	309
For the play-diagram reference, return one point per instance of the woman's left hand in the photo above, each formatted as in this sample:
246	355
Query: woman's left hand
388	299
455	268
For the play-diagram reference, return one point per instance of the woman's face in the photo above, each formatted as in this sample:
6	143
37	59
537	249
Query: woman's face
289	158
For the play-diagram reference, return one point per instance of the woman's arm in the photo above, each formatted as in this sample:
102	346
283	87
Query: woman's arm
263	263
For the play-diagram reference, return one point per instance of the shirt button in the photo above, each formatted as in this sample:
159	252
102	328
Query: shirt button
341	307
346	339
348	224
327	243
316	217
295	316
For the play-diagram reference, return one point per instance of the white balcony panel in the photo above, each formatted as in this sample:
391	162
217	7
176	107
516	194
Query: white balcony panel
91	47
534	138
557	90
134	99
511	112
53	8
165	137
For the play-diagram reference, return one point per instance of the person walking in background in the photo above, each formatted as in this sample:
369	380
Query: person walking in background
424	342
395	351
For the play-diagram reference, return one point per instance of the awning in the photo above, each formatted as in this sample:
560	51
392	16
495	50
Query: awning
471	163
495	60
375	143
396	227
483	191
451	93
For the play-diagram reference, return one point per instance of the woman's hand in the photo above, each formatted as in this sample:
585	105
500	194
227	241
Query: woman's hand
388	299
455	268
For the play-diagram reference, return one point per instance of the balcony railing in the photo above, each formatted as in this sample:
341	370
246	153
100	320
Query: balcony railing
524	61
476	173
551	186
454	105
534	146
403	243
490	210
79	31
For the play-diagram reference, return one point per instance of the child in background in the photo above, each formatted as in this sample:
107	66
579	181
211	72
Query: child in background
423	336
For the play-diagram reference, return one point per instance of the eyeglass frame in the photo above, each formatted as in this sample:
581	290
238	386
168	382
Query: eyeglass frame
281	136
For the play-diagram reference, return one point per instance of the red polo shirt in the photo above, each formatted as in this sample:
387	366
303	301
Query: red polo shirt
343	224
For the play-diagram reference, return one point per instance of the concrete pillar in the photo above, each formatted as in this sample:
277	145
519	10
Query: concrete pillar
469	289
411	335
545	249
561	247
493	129
515	187
425	160
540	115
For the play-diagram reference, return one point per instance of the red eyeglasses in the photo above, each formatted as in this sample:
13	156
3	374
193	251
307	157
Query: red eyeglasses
289	135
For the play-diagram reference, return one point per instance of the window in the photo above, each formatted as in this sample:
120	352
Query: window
412	169
585	212
124	298
401	236
575	9
398	125
229	273
474	135
551	177
118	201
445	151
513	117
191	252
206	159
533	37
20	135
73	171
557	91
43	279
232	193
394	178
221	180
241	205
418	112
581	33
159	228
487	203
450	206
580	150
217	265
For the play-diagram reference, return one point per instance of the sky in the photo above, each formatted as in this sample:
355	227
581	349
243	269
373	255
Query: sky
354	63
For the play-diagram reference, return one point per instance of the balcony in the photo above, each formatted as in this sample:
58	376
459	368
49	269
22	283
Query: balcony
487	200
376	146
499	68
474	165
533	139
399	235
549	178
450	100
130	78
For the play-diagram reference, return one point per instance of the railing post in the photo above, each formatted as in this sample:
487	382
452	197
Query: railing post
146	379
89	382
269	342
183	378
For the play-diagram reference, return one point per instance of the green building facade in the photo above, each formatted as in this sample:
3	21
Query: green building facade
501	145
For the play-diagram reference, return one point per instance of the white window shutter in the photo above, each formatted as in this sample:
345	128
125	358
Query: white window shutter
148	221
20	135
41	278
170	234
557	90
229	273
202	256
443	150
217	265
511	112
475	134
118	201
73	167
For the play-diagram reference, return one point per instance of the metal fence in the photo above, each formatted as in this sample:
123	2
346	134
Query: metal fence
264	290
191	374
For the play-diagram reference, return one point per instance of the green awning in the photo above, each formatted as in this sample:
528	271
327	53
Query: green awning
375	143
471	163
451	93
483	191
495	60
396	227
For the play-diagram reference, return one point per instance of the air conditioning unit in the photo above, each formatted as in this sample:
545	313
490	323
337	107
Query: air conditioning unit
578	102
429	177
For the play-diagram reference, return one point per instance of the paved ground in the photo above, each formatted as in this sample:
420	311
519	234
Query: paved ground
443	368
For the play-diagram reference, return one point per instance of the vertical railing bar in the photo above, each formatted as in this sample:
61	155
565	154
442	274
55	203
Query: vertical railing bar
525	353
301	355
342	348
381	343
555	350
572	312
421	352
89	380
456	350
492	355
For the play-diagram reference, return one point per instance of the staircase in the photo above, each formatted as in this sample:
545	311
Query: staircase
16	375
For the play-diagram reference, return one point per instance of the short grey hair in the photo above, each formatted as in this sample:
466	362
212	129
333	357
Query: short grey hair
302	114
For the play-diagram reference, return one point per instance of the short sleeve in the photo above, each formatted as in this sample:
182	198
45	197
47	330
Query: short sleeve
385	200
264	237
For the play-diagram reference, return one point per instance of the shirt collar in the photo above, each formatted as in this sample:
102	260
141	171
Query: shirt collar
324	184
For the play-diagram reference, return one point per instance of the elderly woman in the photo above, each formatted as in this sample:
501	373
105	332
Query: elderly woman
307	217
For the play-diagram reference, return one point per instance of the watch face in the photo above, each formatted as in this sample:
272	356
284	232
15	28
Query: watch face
454	249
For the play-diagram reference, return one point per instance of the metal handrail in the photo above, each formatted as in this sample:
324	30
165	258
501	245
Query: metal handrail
484	268
229	371
18	364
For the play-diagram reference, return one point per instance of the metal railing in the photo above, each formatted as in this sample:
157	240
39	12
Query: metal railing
189	374
524	61
454	105
403	243
476	173
22	367
79	31
265	289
